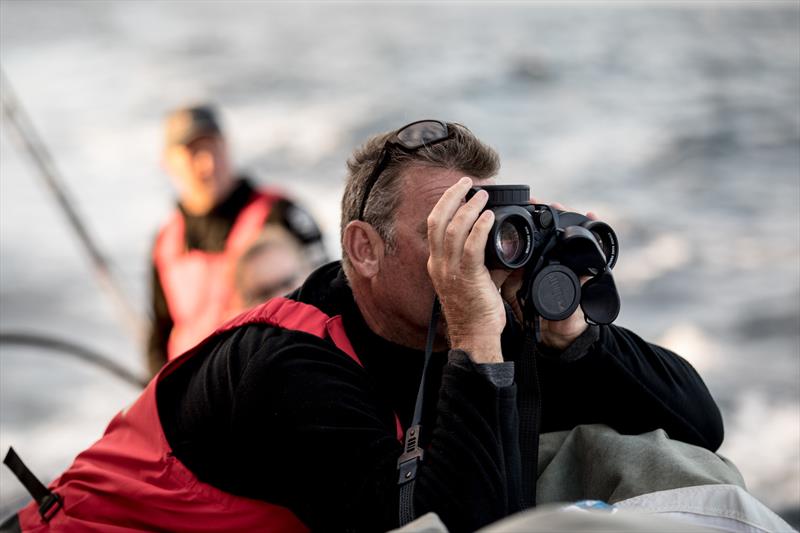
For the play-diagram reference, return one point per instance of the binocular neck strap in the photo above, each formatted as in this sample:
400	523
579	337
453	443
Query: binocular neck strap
432	325
412	455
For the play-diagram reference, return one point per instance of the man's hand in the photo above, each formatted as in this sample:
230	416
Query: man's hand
471	304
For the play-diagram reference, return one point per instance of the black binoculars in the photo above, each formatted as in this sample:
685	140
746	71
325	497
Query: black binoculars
556	248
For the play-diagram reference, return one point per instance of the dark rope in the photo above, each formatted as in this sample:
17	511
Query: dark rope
79	352
18	123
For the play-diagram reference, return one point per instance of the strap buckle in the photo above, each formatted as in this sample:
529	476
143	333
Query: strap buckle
408	463
51	504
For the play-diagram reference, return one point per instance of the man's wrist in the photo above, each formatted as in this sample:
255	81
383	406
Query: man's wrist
498	374
481	349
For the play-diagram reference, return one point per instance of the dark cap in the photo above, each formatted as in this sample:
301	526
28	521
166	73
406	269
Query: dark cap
190	123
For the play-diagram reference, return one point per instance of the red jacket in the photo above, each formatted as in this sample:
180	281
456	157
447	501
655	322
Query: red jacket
199	285
129	480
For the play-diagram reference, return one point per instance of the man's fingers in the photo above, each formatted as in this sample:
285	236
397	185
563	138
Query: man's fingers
443	212
461	225
475	243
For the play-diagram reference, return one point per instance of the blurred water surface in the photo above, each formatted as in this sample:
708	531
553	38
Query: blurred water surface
679	124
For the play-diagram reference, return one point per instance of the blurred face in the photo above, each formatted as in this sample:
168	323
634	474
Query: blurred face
274	271
201	173
404	279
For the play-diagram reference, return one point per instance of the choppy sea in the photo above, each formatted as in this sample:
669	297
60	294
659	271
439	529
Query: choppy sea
679	123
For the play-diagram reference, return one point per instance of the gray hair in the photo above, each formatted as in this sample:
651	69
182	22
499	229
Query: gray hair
464	152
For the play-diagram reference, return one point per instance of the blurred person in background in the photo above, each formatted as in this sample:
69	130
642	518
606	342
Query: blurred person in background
275	264
218	215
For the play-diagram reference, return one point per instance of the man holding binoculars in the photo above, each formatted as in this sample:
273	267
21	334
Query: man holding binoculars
306	413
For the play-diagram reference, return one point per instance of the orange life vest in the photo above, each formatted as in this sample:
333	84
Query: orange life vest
198	285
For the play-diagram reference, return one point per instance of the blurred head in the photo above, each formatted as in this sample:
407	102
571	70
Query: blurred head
274	265
196	157
385	251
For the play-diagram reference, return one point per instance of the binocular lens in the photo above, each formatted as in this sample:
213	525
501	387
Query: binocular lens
509	243
607	240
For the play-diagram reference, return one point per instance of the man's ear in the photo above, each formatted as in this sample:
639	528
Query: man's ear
364	247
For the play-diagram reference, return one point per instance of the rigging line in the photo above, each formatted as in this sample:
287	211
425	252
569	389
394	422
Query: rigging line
30	142
80	352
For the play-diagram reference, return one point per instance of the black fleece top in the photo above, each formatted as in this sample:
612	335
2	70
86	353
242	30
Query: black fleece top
286	417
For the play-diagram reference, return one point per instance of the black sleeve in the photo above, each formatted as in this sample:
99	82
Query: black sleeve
310	432
471	475
160	325
632	386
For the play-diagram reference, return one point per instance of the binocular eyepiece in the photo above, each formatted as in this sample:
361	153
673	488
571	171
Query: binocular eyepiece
555	248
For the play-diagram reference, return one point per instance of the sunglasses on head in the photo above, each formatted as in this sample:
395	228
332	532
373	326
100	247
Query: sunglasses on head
409	138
